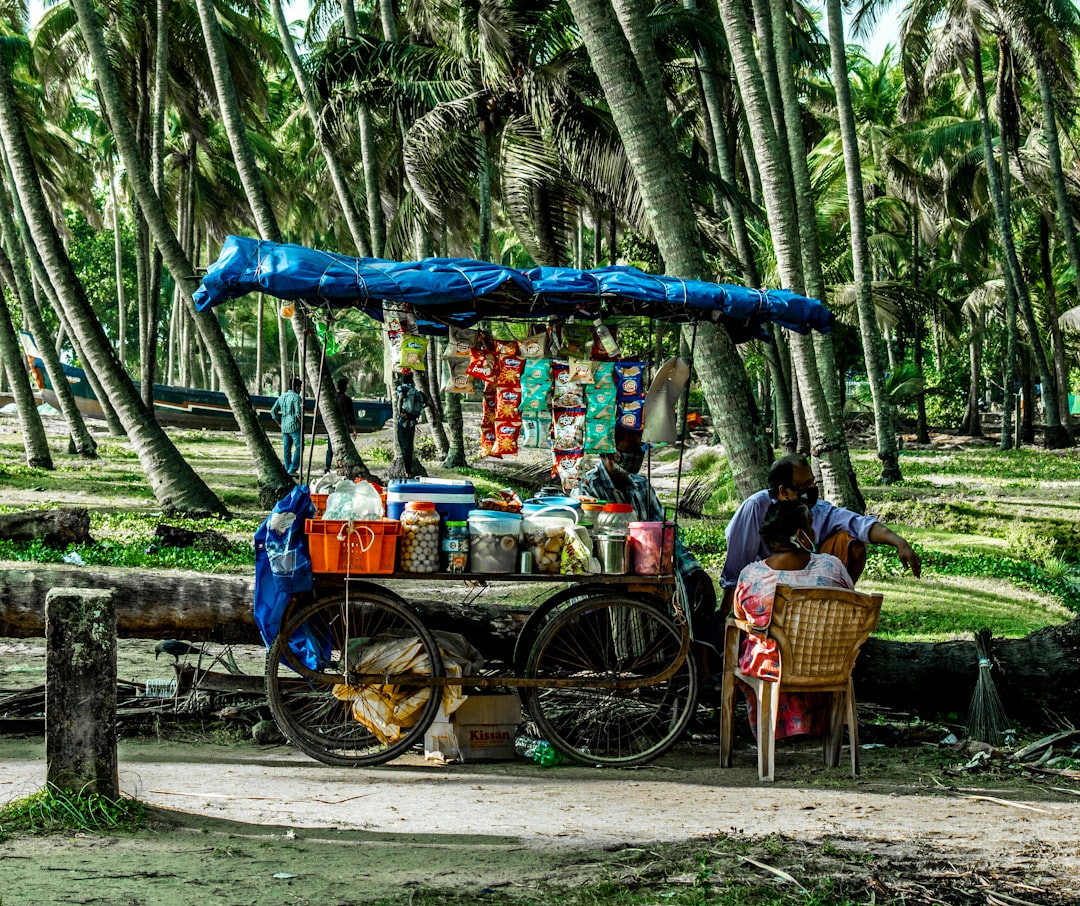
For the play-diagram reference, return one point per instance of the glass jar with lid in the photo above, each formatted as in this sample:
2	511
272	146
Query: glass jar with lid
614	516
420	524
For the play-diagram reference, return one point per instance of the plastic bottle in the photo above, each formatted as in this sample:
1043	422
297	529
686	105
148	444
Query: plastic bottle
605	338
546	755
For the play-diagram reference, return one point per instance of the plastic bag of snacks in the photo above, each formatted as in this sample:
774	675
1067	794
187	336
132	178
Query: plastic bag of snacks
482	365
459	380
577	340
568	468
604	376
581	371
599	437
507	402
460	343
506	347
537	371
568	428
536	398
508	369
631	414
535	346
630	380
506	436
565	394
601	404
574	557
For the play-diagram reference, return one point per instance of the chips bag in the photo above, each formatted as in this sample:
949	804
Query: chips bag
507	402
581	371
536	398
565	393
508	369
537	371
574	559
631	414
577	340
506	347
599	436
630	380
459	381
488	442
460	343
535	346
604	375
568	428
506	436
568	468
414	352
482	365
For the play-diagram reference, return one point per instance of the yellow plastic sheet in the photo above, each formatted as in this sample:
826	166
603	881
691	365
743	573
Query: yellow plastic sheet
388	710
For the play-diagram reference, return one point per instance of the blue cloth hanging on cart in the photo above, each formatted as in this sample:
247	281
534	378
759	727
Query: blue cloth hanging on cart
283	569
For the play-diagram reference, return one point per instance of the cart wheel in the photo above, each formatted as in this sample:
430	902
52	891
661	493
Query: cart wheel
526	638
319	716
611	637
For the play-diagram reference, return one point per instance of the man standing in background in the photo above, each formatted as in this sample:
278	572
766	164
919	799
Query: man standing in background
288	412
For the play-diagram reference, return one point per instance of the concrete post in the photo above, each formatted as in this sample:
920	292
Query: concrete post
80	690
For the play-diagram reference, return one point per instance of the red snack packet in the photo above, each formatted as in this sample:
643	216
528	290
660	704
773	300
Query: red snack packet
481	365
508	402
506	436
568	429
508	369
488	442
506	347
568	468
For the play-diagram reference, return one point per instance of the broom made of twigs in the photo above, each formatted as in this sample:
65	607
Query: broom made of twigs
986	717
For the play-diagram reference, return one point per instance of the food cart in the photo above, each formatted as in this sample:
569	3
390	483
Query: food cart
604	665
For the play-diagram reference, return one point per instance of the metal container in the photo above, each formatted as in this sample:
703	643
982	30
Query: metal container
613	552
525	563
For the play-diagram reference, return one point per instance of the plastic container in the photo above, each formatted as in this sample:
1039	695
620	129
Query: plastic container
358	548
652	548
545	532
421	526
535	504
452	498
589	512
493	541
615	516
455	547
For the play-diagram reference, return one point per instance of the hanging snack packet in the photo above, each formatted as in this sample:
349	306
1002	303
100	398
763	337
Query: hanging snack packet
536	398
577	340
460	343
488	442
631	414
537	371
630	380
508	369
414	352
459	381
506	436
535	346
490	405
568	468
506	347
599	436
604	375
565	394
482	365
581	371
507	402
600	398
568	427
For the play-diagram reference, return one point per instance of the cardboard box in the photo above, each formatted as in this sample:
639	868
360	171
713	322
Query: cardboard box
482	729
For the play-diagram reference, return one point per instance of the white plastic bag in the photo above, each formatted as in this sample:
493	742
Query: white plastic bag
366	502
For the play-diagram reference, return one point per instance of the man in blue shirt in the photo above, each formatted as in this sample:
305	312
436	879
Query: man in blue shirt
615	480
839	532
288	411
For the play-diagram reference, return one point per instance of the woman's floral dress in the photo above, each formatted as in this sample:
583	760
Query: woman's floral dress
800	712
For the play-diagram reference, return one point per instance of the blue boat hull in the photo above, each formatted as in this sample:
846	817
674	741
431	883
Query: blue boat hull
187	407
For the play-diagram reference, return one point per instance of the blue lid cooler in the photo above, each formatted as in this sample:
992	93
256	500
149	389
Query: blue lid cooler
452	497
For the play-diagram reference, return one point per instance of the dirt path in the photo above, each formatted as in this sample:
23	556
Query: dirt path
492	825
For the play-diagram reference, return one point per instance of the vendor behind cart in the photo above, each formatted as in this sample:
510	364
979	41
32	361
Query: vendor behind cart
615	479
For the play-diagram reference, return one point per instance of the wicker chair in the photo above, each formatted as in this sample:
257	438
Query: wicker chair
818	632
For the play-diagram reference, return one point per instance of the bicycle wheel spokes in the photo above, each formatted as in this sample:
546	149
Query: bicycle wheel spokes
611	638
354	722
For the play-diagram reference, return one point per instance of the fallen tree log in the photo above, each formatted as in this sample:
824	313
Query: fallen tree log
58	528
1038	676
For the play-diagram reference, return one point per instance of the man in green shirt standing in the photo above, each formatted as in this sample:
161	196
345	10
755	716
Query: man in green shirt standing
288	412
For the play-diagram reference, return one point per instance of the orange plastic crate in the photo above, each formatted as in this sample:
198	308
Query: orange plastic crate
320	504
368	549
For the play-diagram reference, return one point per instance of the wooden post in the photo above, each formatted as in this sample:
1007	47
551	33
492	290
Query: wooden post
80	697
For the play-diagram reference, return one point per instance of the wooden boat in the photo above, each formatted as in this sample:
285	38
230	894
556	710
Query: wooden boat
188	407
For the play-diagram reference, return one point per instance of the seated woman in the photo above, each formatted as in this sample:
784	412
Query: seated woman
794	561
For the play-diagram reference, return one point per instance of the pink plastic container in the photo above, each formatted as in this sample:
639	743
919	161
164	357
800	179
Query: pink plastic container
652	548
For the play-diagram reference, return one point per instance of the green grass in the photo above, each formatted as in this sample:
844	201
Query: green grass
62	811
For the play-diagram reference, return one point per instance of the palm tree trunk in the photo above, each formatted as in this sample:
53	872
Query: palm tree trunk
1057	344
118	252
973	417
725	166
35	443
357	228
272	476
175	484
1054	433
650	148
884	416
81	438
828	444
783	413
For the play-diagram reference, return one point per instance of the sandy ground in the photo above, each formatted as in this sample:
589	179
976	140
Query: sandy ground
240	815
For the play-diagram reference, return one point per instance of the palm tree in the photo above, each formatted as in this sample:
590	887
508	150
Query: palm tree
625	70
175	484
884	416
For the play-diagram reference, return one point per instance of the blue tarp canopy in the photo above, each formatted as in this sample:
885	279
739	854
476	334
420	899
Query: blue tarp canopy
461	291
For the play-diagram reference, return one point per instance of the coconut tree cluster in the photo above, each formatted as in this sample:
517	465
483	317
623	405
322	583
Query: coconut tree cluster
929	198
